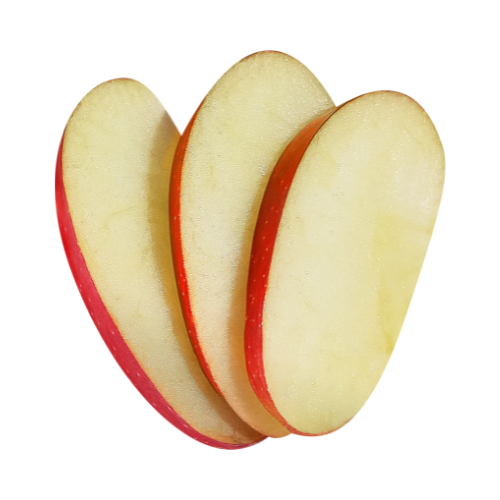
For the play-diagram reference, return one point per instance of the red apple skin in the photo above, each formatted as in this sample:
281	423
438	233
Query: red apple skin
177	251
264	240
106	325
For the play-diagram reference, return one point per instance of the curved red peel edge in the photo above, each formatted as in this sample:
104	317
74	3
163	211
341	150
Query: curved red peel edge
107	327
177	251
264	240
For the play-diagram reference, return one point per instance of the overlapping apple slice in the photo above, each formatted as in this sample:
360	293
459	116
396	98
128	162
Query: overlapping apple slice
112	201
339	243
220	171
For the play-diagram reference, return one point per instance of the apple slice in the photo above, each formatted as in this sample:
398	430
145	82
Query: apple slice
340	239
112	182
220	171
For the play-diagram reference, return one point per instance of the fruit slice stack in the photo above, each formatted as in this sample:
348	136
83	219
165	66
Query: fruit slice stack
252	277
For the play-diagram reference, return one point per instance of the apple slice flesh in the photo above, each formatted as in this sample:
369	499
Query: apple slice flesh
220	171
341	236
112	182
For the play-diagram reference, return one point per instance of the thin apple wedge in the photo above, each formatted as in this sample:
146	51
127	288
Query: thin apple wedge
220	172
340	239
112	182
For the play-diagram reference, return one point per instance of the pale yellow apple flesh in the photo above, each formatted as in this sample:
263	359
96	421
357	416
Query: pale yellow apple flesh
117	153
237	135
352	239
